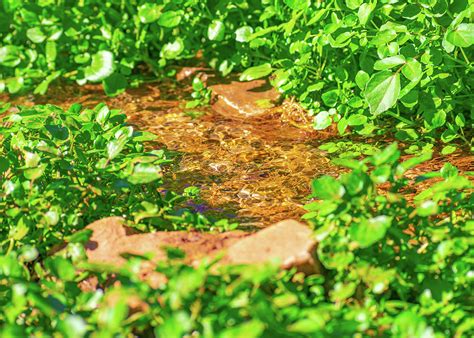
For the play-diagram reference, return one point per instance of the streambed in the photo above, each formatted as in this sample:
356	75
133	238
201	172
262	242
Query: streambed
255	170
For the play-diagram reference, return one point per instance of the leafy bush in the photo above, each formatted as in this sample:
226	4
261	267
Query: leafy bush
347	61
61	170
394	268
393	255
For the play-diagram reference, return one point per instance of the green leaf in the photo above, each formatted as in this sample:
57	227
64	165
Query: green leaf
382	91
412	70
410	324
4	164
427	208
389	62
249	329
383	37
354	4
243	34
170	19
73	326
36	35
115	84
101	67
216	30
462	35
364	12
61	268
115	147
256	72
15	84
366	232
172	50
149	12
448	150
327	188
322	120
389	154
145	173
361	79
330	98
298	4
9	56
356	120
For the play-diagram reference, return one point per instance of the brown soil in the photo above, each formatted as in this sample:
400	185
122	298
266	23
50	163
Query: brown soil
256	169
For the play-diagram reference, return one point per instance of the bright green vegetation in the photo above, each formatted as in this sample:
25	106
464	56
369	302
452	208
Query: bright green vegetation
357	63
392	267
61	170
398	261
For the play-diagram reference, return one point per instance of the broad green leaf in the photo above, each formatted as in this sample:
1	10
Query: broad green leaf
356	120
243	34
170	19
73	326
410	324
382	91
364	12
462	35
448	150
383	37
327	188
102	114
388	155
51	51
322	120
115	147
149	12
101	67
115	84
427	208
15	84
367	232
144	173
389	62
36	35
216	31
354	4
4	164
172	50
330	98
361	79
256	72
298	4
61	268
412	69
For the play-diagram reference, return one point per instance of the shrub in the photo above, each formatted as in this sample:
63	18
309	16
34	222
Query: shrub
351	62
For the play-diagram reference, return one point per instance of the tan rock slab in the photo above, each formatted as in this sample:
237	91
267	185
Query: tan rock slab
289	242
111	238
244	99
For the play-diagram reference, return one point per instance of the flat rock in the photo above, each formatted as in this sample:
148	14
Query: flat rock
244	99
290	242
111	238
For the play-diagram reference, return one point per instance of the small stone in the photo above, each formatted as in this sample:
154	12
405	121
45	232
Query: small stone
244	99
288	241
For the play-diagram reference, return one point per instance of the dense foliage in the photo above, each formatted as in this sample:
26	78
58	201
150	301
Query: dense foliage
61	170
393	268
352	62
393	254
396	249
